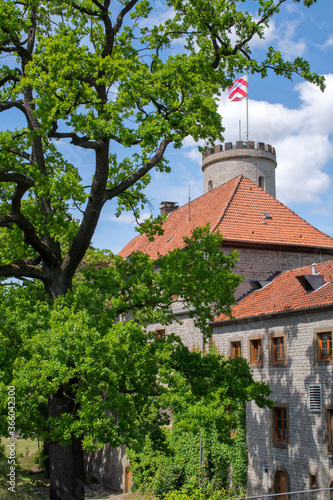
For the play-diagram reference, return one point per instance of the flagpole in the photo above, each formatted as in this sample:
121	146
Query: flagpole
247	108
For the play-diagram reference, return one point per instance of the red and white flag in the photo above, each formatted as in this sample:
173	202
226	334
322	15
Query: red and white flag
238	91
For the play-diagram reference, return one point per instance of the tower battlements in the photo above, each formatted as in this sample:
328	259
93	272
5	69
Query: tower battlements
256	161
228	146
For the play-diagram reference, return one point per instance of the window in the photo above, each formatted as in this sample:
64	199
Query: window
323	354
210	185
313	481
330	429
325	346
279	426
278	350
160	334
236	349
256	353
280	423
261	182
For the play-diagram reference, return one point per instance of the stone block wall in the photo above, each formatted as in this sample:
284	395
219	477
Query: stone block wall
262	264
221	166
108	465
190	335
307	451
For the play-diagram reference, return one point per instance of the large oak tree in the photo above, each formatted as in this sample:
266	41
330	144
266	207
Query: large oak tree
106	77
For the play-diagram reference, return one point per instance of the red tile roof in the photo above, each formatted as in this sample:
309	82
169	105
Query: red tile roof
285	294
237	209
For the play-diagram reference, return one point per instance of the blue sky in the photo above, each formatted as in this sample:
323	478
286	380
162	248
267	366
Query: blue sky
293	116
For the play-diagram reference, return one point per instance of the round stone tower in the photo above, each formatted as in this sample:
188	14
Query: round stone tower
256	162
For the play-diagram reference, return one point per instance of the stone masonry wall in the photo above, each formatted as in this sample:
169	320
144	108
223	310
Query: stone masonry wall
307	451
108	465
261	264
190	335
221	166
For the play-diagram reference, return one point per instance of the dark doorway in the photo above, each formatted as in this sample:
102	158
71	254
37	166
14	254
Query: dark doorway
281	484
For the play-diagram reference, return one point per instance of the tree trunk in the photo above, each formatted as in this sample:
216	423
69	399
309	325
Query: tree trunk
66	462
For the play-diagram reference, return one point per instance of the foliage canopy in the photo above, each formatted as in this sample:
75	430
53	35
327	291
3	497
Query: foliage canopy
108	78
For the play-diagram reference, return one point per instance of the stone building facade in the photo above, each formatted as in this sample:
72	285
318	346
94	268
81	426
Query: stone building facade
239	202
301	380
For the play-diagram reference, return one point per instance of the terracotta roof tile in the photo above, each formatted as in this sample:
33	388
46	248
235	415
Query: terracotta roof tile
285	293
237	209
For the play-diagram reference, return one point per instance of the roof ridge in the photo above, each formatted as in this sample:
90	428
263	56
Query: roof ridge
228	202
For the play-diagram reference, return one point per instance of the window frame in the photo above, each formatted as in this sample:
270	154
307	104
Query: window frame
251	342
274	362
160	333
318	359
232	348
275	442
328	348
313	481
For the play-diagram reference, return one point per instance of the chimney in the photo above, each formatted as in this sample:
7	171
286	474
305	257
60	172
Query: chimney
168	206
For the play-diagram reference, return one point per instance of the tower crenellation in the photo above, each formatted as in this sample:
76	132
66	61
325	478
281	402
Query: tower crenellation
256	161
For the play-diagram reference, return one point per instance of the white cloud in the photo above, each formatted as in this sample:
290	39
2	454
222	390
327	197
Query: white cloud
282	38
194	155
300	175
301	137
159	16
329	42
127	218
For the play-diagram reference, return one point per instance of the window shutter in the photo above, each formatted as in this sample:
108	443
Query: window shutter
315	398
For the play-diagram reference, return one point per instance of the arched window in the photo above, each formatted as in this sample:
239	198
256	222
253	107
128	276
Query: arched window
210	185
261	182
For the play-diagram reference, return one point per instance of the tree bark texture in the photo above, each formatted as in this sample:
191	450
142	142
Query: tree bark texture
66	462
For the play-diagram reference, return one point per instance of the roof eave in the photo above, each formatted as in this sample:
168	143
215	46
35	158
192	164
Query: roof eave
269	315
275	245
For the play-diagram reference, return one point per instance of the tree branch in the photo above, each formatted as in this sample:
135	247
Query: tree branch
9	78
85	10
22	271
4	106
121	16
84	142
22	154
23	183
32	33
117	190
92	213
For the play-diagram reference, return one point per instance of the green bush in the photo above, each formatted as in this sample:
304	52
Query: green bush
193	492
169	460
170	476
